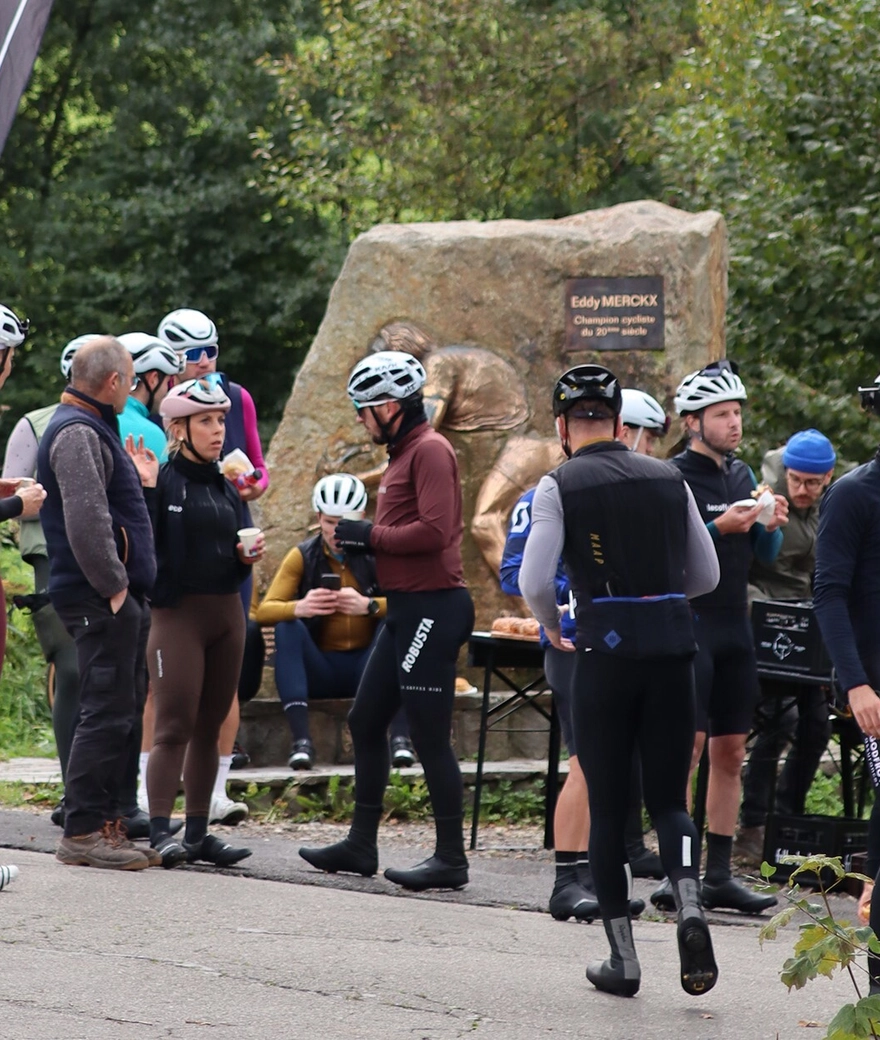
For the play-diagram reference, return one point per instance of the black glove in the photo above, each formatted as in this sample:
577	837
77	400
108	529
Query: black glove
354	535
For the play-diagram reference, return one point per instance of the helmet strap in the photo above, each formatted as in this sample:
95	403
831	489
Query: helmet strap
385	429
189	445
151	393
5	361
635	444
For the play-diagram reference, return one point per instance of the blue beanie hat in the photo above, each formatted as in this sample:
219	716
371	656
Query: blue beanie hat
809	452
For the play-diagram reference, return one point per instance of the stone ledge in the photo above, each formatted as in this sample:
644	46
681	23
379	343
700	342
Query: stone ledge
265	734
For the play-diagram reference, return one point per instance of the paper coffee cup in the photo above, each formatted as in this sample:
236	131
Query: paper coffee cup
24	481
248	536
357	514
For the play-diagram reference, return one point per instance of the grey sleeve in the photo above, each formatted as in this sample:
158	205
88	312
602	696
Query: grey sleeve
702	571
21	451
541	557
83	471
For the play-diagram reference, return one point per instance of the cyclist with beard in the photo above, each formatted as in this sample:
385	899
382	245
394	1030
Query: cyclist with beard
710	403
416	541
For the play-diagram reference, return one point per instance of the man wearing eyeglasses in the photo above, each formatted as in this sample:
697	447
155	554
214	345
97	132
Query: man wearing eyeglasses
800	471
102	565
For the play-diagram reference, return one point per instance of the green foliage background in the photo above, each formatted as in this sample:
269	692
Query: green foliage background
773	120
223	155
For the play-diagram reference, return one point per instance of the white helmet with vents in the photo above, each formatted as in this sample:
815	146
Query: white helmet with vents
71	348
640	409
185	328
389	375
338	494
151	354
12	329
713	384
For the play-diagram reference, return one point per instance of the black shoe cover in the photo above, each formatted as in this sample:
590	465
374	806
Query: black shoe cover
212	850
733	895
171	851
343	858
572	900
432	873
699	972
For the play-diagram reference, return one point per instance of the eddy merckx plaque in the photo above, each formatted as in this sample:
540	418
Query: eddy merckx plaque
614	314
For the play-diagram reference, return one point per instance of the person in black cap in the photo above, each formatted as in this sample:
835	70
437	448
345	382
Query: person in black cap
635	549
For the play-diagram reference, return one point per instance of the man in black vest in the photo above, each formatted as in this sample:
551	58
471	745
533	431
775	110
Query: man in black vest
102	564
635	550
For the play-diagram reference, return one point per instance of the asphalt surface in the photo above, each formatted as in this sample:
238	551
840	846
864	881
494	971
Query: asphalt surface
275	949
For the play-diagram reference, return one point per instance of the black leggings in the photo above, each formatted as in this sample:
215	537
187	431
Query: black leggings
413	663
620	705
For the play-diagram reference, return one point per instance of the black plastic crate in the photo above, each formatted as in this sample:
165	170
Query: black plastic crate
800	837
787	638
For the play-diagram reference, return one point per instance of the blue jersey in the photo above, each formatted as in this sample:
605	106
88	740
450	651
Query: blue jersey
511	561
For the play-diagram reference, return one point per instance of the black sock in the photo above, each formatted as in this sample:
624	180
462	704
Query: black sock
297	715
566	869
450	840
584	872
718	849
196	828
160	827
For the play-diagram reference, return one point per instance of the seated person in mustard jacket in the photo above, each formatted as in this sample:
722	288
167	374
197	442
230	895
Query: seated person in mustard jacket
326	613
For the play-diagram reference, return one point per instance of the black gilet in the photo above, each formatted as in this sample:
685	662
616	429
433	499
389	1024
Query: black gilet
626	518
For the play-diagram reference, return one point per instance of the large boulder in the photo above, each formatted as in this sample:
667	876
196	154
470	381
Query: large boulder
498	289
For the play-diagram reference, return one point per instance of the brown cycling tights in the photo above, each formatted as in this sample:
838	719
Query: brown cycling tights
194	657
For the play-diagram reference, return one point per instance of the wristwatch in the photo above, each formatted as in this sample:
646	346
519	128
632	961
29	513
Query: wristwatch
373	607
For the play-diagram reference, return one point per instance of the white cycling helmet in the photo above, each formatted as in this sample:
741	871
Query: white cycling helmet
640	409
151	354
713	384
71	348
339	493
12	329
389	375
192	397
185	328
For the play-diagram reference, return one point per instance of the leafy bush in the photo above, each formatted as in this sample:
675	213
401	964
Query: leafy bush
826	945
25	720
774	121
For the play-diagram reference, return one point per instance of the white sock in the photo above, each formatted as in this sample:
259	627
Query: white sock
223	766
143	758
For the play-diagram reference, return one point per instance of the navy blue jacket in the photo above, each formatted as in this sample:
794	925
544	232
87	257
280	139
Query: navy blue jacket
846	589
132	531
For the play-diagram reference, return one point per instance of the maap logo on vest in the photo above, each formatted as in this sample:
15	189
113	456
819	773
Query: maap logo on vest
415	647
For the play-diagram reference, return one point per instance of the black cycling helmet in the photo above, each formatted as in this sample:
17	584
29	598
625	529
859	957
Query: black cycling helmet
870	397
587	383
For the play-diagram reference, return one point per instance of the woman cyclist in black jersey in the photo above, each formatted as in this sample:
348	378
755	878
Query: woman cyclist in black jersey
197	635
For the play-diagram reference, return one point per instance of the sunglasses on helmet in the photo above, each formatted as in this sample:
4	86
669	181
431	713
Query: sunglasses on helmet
193	354
717	367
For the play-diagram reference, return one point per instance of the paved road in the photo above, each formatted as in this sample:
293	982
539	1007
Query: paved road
280	951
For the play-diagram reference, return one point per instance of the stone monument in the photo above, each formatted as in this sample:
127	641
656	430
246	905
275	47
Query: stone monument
500	309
